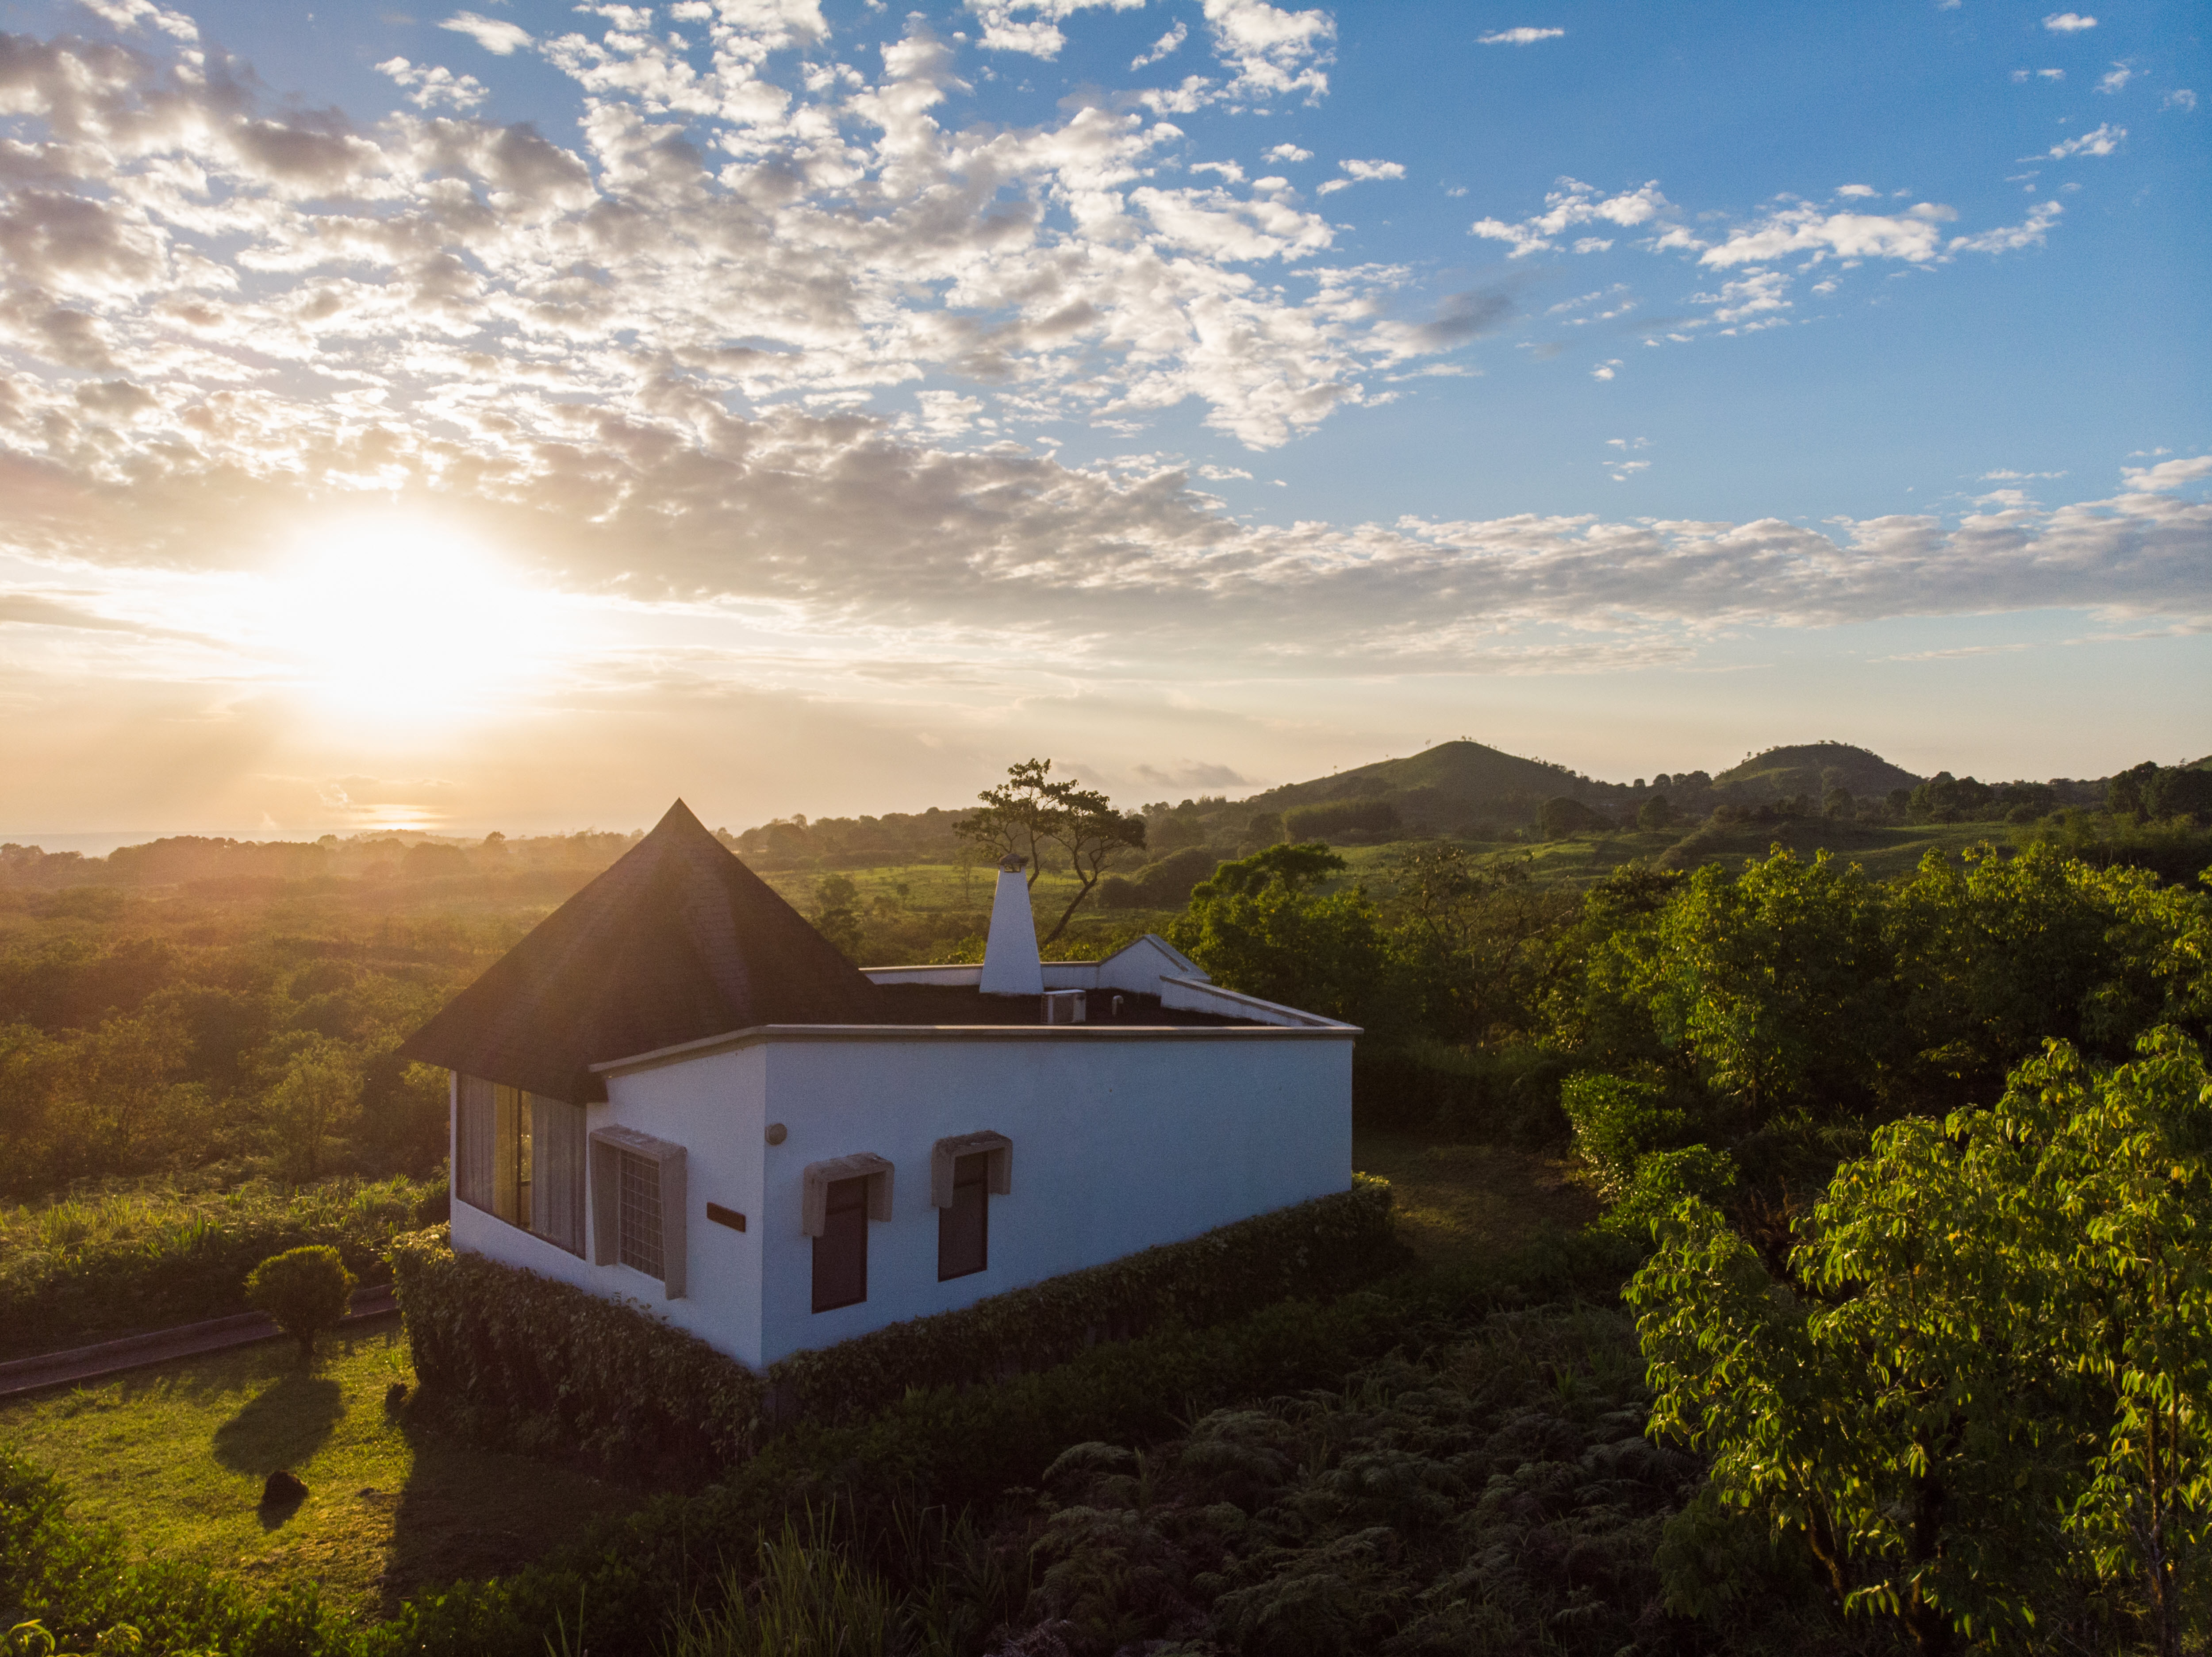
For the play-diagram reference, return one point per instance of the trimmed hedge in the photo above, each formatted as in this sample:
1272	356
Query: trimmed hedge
1315	1251
540	1363
548	1362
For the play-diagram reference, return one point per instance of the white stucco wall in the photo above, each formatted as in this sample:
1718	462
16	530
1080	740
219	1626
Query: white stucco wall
1119	1141
1122	1139
711	1106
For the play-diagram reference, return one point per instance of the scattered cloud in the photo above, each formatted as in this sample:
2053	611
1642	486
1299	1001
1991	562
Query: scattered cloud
2179	98
2116	78
2102	142
2022	74
1363	172
1192	774
1523	36
2016	477
2168	474
1287	153
494	34
1166	46
1573	203
430	87
2067	22
1856	190
1606	370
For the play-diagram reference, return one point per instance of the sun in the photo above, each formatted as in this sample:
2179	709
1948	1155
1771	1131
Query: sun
406	617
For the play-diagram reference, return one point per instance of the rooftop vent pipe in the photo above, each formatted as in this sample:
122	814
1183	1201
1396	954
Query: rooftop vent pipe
1010	963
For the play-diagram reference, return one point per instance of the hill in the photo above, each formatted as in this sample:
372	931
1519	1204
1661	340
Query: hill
1814	768
1468	774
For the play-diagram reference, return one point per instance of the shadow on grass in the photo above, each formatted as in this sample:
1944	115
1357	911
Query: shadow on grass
284	1424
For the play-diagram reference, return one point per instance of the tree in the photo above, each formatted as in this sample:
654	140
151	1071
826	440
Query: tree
1031	811
837	914
303	1291
1985	1371
313	1100
1655	814
2127	793
1258	927
1559	817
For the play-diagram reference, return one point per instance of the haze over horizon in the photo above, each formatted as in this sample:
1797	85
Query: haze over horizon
516	418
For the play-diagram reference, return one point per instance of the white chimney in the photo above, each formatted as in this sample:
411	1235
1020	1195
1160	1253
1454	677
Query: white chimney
1010	964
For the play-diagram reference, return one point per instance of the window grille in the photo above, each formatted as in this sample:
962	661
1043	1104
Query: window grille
641	1215
637	1205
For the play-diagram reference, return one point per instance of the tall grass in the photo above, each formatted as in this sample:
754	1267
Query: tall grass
81	1267
806	1597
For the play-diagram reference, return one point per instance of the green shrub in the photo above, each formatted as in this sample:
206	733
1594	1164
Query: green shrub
303	1291
529	1356
1663	1179
88	1268
1617	1121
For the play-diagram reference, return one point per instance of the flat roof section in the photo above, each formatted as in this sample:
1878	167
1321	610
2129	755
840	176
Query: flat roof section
963	1003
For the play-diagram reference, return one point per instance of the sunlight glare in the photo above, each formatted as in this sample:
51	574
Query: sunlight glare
406	618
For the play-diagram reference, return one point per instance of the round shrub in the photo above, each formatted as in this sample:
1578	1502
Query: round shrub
303	1291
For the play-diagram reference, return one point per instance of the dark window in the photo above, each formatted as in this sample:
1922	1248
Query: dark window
964	1231
840	1253
641	1214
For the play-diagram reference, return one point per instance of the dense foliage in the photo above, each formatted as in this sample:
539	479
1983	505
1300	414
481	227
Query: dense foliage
82	1270
1974	1395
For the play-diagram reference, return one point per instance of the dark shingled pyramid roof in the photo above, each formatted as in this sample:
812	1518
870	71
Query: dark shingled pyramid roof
678	941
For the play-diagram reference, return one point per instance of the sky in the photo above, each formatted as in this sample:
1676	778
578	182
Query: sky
514	418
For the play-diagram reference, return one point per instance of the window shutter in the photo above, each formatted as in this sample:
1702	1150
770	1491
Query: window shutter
667	1160
816	1178
946	1153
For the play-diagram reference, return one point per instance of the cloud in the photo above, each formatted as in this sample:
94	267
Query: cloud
2116	78
1606	370
1040	35
1523	36
2179	98
1274	52
2067	22
1192	774
1164	46
1287	153
494	34
428	87
2024	74
2102	142
2168	474
1573	203
1361	173
1856	190
2016	477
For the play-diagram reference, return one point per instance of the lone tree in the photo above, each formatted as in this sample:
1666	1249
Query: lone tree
303	1291
1031	811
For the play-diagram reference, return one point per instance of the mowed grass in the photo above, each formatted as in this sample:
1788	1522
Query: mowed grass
174	1458
1460	1205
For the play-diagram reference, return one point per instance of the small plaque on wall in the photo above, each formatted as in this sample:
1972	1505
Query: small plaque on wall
722	1216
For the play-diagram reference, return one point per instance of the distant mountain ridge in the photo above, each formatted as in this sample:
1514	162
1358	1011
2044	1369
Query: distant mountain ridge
1458	783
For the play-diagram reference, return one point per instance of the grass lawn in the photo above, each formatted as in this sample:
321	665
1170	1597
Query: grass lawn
1456	1204
174	1458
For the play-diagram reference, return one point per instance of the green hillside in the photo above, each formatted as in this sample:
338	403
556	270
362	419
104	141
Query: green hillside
1467	774
1815	767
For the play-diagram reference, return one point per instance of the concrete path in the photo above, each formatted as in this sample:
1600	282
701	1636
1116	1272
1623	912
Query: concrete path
86	1363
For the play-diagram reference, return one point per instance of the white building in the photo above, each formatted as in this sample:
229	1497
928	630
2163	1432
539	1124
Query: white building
674	1091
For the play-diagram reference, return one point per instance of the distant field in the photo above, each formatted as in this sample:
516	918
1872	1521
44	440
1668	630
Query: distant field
174	1458
914	910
